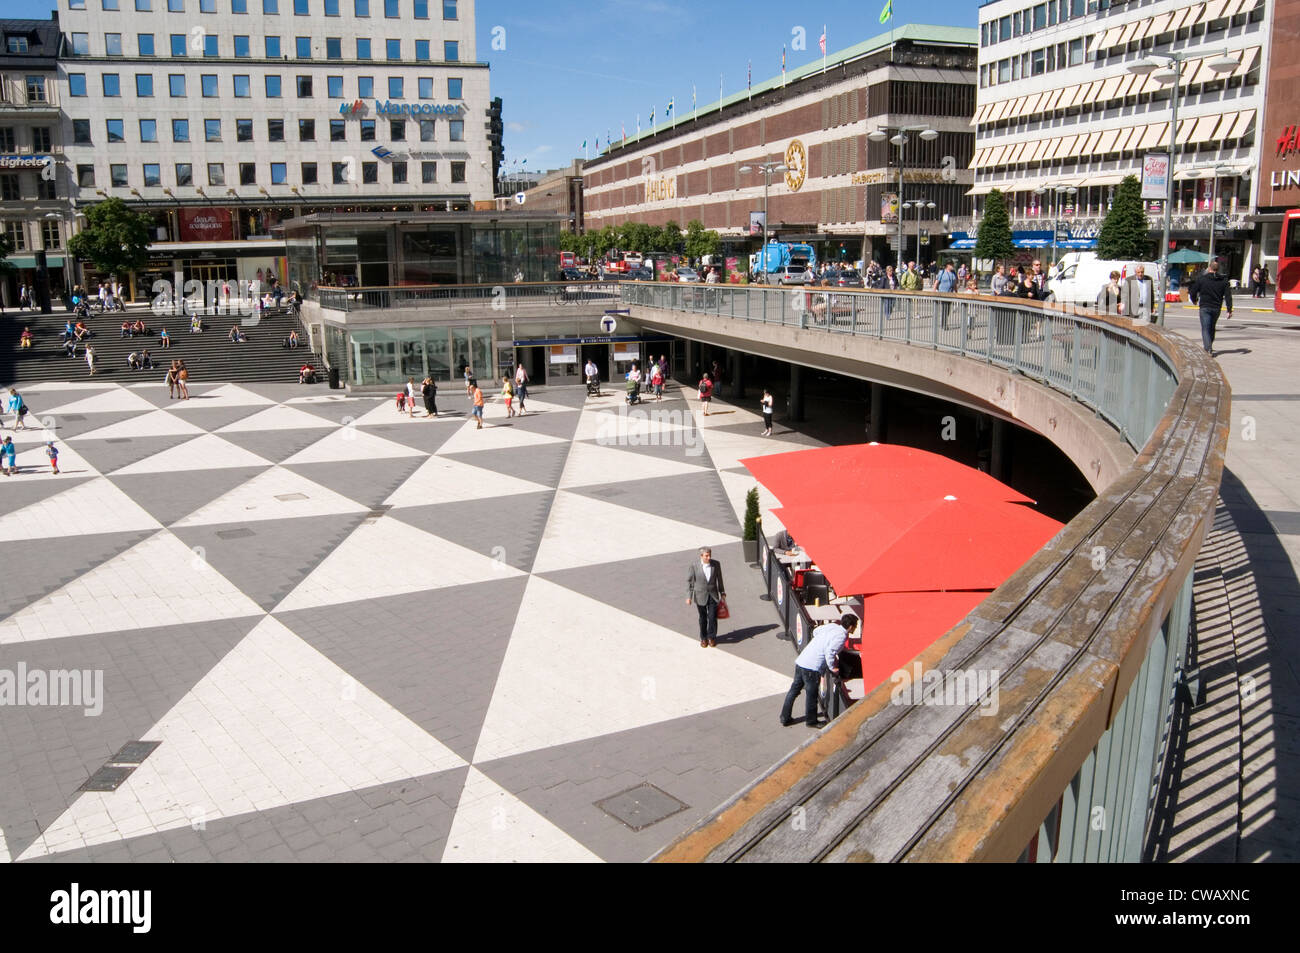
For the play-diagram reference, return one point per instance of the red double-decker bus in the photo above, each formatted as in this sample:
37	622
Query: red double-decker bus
1286	298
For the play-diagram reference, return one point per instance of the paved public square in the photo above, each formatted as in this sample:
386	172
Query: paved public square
358	636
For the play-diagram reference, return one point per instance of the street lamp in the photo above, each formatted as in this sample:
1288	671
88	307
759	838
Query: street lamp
919	205
1166	69
899	139
1056	201
767	168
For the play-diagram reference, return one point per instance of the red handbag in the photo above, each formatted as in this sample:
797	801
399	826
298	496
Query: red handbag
723	611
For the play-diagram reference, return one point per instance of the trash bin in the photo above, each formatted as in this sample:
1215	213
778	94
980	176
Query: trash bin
334	379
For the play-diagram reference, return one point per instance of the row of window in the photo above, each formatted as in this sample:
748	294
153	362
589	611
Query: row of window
341	173
301	8
1033	63
241	86
16	232
209	45
10	191
1038	17
41	139
115	130
36	89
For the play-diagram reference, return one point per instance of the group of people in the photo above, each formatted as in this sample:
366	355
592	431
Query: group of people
178	377
136	328
15	404
140	360
1031	285
653	378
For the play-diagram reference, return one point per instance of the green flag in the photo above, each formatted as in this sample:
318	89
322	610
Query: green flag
888	12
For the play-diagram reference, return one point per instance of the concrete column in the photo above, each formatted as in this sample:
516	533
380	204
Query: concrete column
796	393
876	419
737	371
692	358
998	460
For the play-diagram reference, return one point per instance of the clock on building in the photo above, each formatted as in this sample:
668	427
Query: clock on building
796	163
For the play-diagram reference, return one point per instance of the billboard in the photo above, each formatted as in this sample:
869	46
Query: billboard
889	208
1155	175
205	224
757	223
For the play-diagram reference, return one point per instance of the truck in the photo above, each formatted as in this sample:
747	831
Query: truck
771	261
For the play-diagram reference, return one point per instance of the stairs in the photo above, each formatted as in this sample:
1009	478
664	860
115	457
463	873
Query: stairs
210	356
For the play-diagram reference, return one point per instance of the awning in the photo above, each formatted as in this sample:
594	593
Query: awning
29	261
1077	244
899	626
962	244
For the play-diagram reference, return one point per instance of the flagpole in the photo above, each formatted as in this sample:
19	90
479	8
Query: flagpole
823	49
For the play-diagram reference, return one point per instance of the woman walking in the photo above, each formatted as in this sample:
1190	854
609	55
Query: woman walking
767	413
182	380
521	387
429	391
706	392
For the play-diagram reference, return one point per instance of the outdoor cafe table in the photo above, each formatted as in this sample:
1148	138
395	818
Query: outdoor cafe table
827	613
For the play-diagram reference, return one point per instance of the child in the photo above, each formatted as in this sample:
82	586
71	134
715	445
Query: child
7	453
52	452
767	413
401	401
508	392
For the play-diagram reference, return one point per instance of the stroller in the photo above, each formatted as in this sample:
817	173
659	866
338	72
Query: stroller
593	386
633	392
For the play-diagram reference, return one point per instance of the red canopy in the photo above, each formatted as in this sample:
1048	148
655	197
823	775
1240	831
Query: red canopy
919	545
898	626
873	472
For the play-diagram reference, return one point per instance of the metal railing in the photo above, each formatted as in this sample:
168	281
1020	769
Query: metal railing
450	297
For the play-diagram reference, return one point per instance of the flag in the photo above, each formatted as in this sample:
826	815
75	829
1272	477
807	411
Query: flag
695	104
669	111
749	80
782	64
823	41
652	115
888	12
624	133
638	124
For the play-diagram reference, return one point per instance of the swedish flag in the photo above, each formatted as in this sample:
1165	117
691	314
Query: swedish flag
887	14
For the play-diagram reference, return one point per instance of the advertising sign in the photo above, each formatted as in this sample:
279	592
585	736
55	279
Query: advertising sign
757	223
889	208
1155	175
205	224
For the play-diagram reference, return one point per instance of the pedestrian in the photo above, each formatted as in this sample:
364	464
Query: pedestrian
410	397
705	588
910	280
146	360
164	339
429	391
706	392
18	408
182	380
22	298
521	387
946	284
469	383
401	402
90	359
1212	292
657	381
7	453
172	373
1108	299
1139	296
508	394
1263	281
819	655
52	452
998	284
476	395
1255	290
767	413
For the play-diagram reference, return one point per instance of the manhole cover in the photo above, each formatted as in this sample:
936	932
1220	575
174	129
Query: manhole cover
235	533
118	440
107	778
641	806
291	497
134	752
377	512
73	416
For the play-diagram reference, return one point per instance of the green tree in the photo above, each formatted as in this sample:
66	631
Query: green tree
993	243
115	239
1124	230
701	242
670	237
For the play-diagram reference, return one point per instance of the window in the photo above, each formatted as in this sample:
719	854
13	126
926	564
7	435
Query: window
1076	52
303	84
339	171
208	83
338	131
76	84
363	49
1039	62
7	140
272	47
275	130
81	44
456	130
148	130
116	130
81	132
334	87
365	87
184	173
152	174
309	173
1004	28
395	87
212	130
113	44
144	43
369	173
302	47
397	130
180	130
458	172
428	172
241	47
176	84
449	9
451	51
210	45
76	4
175	6
422	50
41	139
367	130
243	89
421	13
331	8
426	130
279	173
300	8
144	85
271	7
393	49
399	173
333	48
272	86
117	176
36	89
238	6
361	7
1040	16
112	85
15	231
425	84
178	44
85	176
455	89
248	173
51	236
392	9
216	173
207	6
306	130
243	130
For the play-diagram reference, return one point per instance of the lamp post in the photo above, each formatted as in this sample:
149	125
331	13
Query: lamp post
1167	68
899	138
919	205
767	168
1056	202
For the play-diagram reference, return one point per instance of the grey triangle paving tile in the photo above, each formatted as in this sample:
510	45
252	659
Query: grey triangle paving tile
49	751
695	498
691	449
780	432
575	397
38	399
424	434
432	655
36	568
114	454
701	760
279	392
276	445
28	493
336	411
157	394
214	418
401	821
169	497
515	523
368	482
552	423
266	559
543	463
69	426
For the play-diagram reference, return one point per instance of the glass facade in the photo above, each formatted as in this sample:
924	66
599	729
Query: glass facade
391	355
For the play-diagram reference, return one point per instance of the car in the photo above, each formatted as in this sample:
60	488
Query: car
572	274
687	274
792	275
848	278
641	274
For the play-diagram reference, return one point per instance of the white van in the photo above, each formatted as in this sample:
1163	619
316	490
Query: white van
1080	276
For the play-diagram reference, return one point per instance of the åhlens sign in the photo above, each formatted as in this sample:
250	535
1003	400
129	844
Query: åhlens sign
389	108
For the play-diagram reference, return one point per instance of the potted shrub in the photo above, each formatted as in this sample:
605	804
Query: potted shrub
753	522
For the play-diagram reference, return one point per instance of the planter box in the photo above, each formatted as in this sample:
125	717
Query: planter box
750	549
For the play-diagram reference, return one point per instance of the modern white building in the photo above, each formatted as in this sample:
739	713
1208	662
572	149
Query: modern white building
225	117
1061	117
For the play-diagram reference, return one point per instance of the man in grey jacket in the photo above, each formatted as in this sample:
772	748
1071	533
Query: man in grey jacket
705	589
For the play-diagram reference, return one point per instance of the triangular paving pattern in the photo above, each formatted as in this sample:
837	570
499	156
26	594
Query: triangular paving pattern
266	560
208	452
157	395
274	494
542	464
350	443
156	423
550	423
109	456
20	494
96	506
168	497
697	498
35	568
117	400
426	435
494	826
508	527
623	425
469	439
276	446
414	650
444	480
223	395
68	426
279	417
212	418
368	482
590	464
695	453
337	411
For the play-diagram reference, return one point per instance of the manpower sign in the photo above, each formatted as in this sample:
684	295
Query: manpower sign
390	108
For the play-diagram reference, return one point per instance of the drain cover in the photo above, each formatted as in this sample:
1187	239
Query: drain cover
134	752
291	497
107	778
118	440
74	416
641	806
377	512
235	533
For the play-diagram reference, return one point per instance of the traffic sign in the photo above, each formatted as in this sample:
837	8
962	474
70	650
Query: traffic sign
608	324
520	198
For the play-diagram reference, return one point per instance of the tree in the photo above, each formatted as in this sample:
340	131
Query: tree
1124	231
115	239
994	240
670	237
700	242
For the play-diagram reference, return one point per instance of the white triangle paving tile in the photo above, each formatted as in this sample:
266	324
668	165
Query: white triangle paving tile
625	422
386	557
118	399
587	532
562	682
536	405
96	506
33	464
208	452
493	826
279	417
737	485
157	423
498	437
273	723
443	480
727	448
226	395
349	443
261	499
591	464
157	582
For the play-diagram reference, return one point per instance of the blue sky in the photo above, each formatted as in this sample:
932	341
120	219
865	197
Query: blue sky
574	70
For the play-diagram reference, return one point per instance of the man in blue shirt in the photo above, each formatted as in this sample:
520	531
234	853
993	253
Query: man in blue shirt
947	284
819	655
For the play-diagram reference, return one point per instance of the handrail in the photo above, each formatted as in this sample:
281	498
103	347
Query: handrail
426	296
